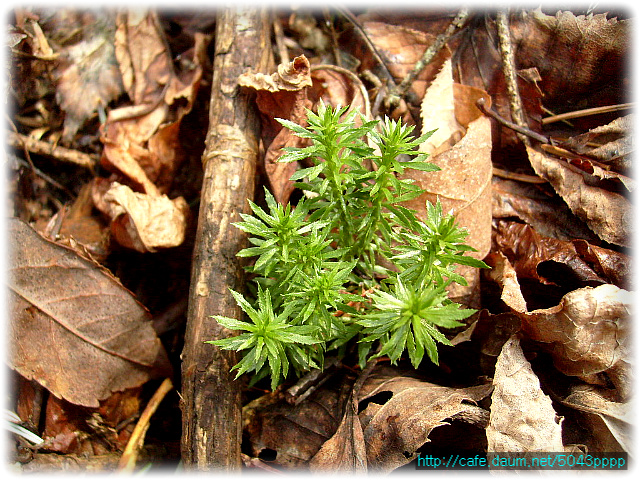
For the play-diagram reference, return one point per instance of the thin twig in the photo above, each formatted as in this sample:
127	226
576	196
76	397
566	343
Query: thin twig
586	112
480	103
441	40
374	51
18	140
42	175
129	456
519	177
509	71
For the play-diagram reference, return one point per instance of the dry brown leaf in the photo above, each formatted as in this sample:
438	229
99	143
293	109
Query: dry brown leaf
608	214
463	186
522	418
74	328
393	432
80	225
290	435
142	141
503	273
588	332
345	451
544	211
145	222
588	54
438	113
613	420
614	140
282	94
545	259
616	267
87	75
492	331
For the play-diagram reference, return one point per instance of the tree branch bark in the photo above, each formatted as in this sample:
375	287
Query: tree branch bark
211	404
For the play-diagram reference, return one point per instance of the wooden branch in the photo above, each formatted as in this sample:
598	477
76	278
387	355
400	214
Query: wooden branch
41	147
211	402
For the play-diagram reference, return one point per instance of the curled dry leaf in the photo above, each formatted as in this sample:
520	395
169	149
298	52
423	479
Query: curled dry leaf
393	432
503	273
144	222
74	328
282	94
545	259
607	213
522	418
614	140
588	332
611	421
142	141
544	211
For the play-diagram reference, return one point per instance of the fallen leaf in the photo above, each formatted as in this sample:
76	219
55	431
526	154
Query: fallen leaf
588	332
74	328
522	417
598	44
345	451
80	224
87	75
290	436
597	173
65	428
613	420
394	431
545	259
142	141
283	94
492	331
607	213
614	143
463	186
615	266
543	210
503	273
438	113
145	222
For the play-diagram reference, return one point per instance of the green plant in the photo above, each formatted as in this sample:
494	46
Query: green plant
312	260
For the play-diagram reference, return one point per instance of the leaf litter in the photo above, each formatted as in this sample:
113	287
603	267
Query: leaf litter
553	220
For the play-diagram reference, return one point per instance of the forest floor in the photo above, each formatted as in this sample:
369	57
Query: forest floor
111	117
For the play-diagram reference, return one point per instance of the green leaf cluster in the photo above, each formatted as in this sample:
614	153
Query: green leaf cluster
312	262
